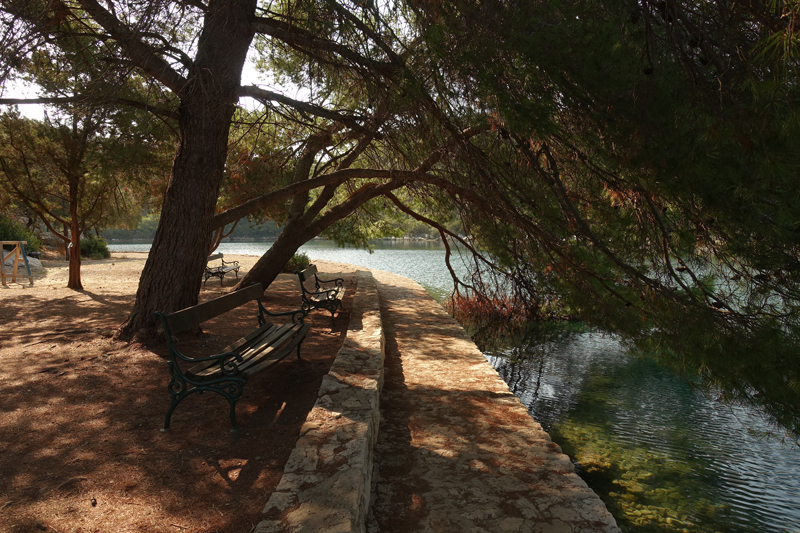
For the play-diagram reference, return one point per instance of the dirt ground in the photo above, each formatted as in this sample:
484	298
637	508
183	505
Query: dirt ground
81	414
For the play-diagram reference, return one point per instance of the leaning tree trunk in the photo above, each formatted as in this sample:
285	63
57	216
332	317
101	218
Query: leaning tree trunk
172	274
272	262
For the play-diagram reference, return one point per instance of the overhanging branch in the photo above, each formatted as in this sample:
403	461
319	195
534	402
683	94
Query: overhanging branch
140	53
334	178
301	38
420	174
263	95
159	111
443	232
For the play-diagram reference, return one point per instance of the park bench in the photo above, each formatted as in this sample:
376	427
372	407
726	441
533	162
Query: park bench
327	294
226	372
219	271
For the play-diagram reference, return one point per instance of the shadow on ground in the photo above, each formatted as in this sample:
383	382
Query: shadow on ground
81	418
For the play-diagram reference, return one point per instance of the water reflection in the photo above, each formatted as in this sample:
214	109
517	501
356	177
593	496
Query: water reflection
662	456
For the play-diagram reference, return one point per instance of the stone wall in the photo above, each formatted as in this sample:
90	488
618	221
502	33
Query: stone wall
326	481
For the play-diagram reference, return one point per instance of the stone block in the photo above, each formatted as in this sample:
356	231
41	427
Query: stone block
279	502
342	427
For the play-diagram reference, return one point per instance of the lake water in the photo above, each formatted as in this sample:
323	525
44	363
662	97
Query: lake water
661	455
422	261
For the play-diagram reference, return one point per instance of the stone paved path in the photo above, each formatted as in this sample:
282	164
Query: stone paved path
456	451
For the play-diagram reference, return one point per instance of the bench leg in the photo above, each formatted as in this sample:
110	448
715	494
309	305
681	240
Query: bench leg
233	414
176	399
335	309
230	389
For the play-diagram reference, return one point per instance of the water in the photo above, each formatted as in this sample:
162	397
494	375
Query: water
661	455
422	261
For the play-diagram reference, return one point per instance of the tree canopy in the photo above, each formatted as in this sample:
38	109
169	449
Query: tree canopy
655	185
632	162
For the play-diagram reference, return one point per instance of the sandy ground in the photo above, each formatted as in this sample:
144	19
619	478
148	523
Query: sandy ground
80	414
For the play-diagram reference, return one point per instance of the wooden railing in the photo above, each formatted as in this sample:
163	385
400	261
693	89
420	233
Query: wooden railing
18	251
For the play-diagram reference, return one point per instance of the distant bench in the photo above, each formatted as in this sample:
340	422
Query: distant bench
327	293
220	270
226	372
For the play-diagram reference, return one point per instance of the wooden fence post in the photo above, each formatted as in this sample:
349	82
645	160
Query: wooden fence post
19	250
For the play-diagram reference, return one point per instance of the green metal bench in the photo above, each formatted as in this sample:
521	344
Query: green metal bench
219	271
327	293
226	372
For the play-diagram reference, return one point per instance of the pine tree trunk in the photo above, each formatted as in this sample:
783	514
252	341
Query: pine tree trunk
74	281
172	274
272	262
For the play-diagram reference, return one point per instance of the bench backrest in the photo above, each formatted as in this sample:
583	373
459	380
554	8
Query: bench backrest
213	257
307	273
193	316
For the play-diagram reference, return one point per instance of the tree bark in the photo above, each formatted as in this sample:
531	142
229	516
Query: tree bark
74	280
172	274
269	265
304	227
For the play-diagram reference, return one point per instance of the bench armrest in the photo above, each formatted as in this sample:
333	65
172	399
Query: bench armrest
297	314
227	360
338	284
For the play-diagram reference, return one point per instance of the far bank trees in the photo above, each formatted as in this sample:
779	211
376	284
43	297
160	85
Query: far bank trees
192	55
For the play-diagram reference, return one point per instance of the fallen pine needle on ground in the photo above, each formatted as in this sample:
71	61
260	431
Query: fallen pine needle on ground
81	415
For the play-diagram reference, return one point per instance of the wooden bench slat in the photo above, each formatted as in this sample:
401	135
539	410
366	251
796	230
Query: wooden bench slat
219	271
321	297
222	268
262	350
196	315
209	367
257	350
250	337
286	350
272	336
264	335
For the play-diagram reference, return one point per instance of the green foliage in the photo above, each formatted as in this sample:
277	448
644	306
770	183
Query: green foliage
10	230
86	165
636	149
299	261
81	171
94	247
362	227
145	229
651	184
